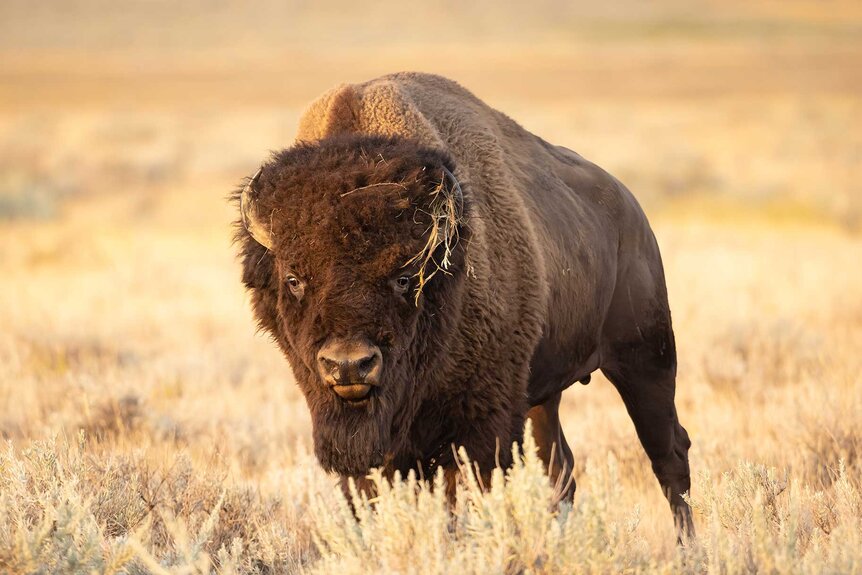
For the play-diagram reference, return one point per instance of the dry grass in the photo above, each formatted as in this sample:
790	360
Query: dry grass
443	231
148	428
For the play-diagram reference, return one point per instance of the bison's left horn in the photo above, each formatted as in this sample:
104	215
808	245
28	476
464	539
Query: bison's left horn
455	188
248	208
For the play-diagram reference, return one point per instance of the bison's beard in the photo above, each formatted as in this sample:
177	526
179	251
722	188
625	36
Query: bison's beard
351	441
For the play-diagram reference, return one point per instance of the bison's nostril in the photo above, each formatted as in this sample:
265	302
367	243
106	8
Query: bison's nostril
366	364
328	365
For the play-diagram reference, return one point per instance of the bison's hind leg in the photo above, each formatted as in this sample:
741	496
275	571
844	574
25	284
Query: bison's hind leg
647	389
552	445
639	358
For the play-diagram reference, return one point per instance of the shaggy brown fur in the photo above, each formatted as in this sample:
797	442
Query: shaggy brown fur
555	274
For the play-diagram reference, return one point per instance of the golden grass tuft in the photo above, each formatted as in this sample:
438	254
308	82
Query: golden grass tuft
443	231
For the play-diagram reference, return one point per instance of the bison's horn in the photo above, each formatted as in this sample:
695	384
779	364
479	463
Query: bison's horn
455	187
248	208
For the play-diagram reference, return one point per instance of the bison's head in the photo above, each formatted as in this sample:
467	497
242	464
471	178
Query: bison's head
353	250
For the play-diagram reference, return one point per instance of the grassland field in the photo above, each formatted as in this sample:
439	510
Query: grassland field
149	429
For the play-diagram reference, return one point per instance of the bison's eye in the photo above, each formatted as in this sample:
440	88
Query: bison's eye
296	286
401	285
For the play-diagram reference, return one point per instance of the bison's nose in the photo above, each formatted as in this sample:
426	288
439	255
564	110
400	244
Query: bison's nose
351	368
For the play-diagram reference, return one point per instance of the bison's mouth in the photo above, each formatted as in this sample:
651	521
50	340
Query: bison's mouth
355	394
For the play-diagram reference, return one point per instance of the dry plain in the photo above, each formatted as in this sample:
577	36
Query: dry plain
151	430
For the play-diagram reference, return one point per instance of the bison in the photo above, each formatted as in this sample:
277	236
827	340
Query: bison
435	274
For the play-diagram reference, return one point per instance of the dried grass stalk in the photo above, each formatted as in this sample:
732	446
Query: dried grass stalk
443	231
369	186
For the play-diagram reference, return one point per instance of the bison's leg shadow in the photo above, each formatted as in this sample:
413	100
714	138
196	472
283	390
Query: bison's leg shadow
552	445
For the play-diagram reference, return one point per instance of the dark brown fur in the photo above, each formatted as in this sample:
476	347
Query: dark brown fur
347	242
556	274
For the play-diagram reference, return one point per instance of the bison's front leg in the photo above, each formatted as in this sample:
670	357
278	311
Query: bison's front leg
452	475
485	449
553	448
364	486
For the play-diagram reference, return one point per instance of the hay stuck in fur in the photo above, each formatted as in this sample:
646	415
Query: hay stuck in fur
443	231
397	184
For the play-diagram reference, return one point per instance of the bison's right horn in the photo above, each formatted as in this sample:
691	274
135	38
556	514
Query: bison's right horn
248	208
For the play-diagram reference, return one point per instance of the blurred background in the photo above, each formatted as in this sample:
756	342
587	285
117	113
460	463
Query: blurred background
747	103
125	124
